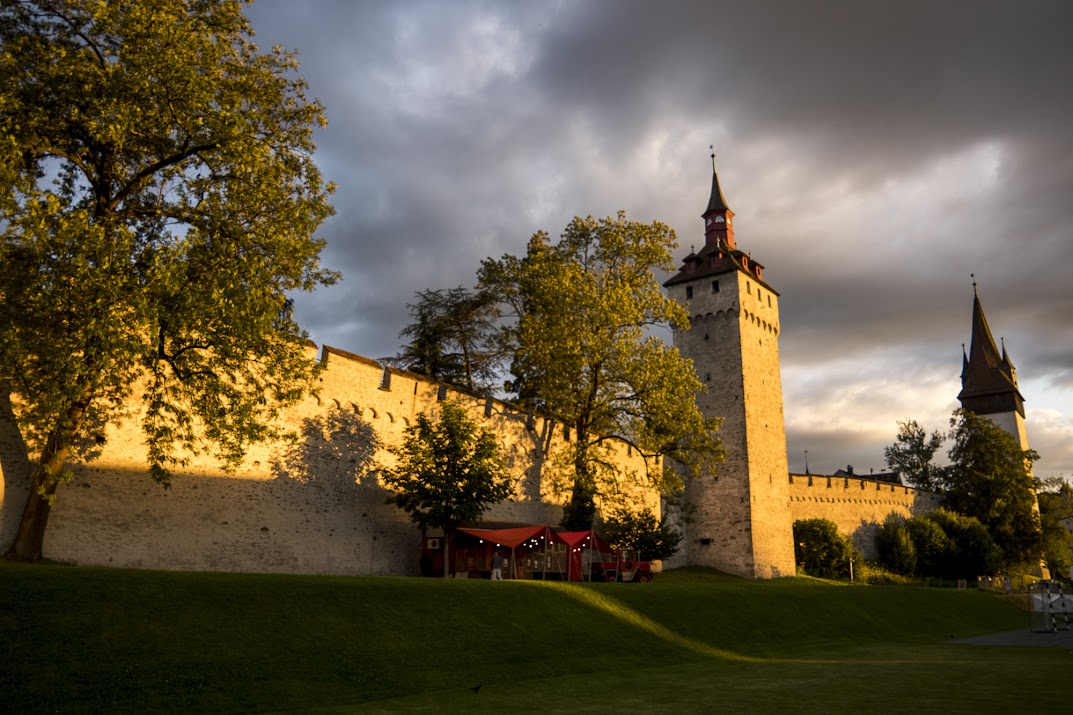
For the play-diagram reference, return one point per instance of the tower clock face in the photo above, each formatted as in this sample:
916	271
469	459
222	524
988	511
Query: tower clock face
719	219
708	222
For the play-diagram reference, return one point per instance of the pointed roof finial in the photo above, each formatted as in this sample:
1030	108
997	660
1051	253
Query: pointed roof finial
716	202
973	276
806	463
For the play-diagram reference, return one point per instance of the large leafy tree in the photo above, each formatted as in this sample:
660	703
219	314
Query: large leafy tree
640	531
580	315
913	453
448	472
991	479
450	338
1056	517
158	199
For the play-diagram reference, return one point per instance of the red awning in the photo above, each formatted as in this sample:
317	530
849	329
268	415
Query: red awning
578	538
508	537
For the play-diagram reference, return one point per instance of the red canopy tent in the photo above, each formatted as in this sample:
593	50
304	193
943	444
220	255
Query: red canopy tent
581	544
527	537
536	551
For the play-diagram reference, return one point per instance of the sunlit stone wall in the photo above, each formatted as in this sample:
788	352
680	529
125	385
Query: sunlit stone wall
856	506
317	506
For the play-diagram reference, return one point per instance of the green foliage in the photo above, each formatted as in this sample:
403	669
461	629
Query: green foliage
451	338
641	532
820	550
448	471
971	550
895	546
932	547
875	574
991	479
941	545
159	200
1056	518
579	513
578	319
913	453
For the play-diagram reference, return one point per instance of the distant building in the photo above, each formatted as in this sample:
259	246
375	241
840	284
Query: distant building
886	477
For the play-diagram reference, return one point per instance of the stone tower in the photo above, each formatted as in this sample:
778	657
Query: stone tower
989	380
741	521
989	387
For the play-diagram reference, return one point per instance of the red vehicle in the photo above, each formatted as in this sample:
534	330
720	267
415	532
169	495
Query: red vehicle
622	566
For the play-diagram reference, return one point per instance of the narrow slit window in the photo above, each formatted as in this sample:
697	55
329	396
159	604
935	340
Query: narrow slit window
689	292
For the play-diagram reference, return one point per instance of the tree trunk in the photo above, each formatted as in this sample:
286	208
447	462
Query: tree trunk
31	537
29	542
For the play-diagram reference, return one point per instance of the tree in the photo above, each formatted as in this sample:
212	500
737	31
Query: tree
641	532
895	546
1056	520
932	547
912	454
971	551
820	550
450	338
578	320
991	479
158	200
448	472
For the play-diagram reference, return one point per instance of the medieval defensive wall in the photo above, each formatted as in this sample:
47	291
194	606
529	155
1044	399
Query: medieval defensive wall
856	505
314	506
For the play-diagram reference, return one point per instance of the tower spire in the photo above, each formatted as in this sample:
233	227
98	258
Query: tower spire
718	218
988	378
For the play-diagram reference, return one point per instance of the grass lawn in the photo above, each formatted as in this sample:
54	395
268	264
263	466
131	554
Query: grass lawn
109	640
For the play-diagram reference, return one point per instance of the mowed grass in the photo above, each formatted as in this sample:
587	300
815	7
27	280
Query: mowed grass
110	640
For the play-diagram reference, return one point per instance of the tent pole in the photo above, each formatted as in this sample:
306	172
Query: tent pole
547	538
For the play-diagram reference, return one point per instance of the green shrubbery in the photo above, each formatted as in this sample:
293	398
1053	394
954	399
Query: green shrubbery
940	545
820	550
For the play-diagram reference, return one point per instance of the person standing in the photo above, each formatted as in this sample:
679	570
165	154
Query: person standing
497	566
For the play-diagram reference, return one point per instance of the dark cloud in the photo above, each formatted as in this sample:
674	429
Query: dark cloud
876	154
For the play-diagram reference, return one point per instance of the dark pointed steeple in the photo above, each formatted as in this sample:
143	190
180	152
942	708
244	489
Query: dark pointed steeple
718	218
717	202
988	379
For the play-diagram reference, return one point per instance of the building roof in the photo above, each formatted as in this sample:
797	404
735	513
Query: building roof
716	202
715	260
985	371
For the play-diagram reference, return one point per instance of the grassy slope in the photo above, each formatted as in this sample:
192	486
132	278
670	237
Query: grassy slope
103	639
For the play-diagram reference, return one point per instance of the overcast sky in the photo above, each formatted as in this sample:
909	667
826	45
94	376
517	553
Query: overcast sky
875	153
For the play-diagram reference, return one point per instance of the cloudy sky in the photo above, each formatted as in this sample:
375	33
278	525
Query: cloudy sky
875	154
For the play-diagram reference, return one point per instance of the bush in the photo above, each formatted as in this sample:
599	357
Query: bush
820	550
941	545
874	574
971	551
932	547
895	546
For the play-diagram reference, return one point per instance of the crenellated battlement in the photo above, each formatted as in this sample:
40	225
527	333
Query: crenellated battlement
857	505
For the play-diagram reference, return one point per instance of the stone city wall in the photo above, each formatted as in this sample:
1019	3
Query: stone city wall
314	506
856	505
